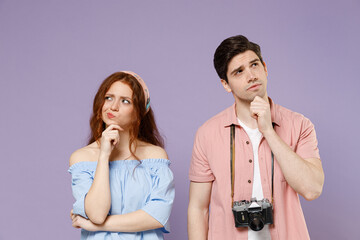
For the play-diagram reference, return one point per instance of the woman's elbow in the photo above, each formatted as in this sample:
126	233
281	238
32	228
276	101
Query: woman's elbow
159	225
97	218
96	214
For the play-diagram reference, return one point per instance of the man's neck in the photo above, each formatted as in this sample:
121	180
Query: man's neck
243	113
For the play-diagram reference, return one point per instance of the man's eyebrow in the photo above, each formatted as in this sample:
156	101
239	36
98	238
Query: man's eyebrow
255	60
236	69
239	68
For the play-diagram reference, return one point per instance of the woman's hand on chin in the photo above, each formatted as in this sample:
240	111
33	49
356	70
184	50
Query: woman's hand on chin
109	138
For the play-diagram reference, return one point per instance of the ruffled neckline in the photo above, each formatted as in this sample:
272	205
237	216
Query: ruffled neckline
114	163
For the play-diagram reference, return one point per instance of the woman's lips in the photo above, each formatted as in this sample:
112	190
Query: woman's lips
110	115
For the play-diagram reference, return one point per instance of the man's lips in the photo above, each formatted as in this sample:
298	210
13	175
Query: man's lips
110	115
254	87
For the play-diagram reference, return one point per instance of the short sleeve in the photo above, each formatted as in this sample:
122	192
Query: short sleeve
162	196
307	146
200	170
81	180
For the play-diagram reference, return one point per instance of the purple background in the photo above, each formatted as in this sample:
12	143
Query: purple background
54	55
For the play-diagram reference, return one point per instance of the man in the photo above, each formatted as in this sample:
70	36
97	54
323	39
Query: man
262	128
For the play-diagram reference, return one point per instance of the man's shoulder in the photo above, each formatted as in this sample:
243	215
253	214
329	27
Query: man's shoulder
217	121
289	116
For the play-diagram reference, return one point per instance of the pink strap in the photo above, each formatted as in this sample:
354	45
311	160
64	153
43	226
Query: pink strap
144	87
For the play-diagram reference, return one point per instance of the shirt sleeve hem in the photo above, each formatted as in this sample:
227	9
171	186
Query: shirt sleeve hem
79	207
165	223
195	178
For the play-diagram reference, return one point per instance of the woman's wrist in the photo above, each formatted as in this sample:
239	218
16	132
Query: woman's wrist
104	157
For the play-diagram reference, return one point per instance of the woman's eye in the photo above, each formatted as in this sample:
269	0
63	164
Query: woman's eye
126	101
108	98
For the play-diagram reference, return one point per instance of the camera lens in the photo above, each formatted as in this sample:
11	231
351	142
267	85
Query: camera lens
256	222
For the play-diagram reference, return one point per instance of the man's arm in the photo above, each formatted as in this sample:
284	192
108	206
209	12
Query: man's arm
198	210
305	176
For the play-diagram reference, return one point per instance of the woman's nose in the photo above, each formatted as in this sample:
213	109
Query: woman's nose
115	106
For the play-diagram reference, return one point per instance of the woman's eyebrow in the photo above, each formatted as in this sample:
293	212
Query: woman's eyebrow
113	95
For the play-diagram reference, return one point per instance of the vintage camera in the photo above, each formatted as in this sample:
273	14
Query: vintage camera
253	214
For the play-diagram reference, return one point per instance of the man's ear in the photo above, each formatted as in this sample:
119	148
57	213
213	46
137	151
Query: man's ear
225	85
265	68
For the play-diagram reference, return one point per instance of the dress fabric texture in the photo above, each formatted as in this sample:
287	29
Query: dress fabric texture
147	185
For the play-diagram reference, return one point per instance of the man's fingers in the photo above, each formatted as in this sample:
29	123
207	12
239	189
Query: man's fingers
259	99
258	104
258	108
255	116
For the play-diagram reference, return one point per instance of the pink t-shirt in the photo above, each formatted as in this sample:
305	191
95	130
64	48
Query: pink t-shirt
211	163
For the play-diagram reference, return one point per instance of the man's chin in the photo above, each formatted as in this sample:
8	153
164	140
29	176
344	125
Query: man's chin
261	95
250	98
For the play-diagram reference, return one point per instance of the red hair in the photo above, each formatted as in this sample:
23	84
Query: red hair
143	126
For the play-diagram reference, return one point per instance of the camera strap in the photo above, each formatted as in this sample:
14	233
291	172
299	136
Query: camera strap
232	165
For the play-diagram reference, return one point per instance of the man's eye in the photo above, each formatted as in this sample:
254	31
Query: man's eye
255	64
239	71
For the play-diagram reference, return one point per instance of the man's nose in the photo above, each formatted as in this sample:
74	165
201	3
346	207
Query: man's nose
250	76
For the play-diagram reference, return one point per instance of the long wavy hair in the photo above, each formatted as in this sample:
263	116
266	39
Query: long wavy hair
143	126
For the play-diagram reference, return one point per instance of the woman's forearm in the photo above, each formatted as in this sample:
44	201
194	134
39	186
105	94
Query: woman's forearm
98	199
130	222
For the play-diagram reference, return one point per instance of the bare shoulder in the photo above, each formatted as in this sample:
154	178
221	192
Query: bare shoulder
88	153
146	150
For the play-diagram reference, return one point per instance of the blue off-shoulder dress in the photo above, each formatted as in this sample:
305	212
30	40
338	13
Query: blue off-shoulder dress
134	185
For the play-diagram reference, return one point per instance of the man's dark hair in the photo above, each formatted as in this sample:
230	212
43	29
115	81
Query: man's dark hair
228	49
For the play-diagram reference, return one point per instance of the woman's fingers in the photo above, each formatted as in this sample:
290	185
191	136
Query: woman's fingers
72	215
75	222
114	127
75	219
110	138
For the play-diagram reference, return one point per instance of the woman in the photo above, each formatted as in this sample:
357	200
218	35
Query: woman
121	181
